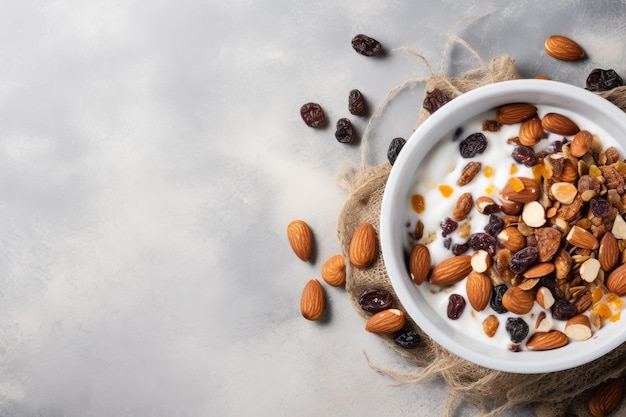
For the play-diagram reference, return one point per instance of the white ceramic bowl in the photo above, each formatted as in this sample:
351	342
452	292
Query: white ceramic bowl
393	219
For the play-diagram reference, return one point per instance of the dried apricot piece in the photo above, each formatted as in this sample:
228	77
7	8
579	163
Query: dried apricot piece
418	203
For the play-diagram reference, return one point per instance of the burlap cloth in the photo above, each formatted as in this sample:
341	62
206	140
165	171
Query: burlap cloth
555	394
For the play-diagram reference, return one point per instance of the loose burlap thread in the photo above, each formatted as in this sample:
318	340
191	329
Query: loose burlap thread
554	394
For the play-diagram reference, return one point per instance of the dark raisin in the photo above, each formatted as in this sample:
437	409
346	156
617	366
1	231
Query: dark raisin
456	305
407	337
344	132
517	329
514	347
525	155
496	298
603	80
473	145
563	310
484	241
394	149
495	225
556	146
448	226
491	126
457	134
550	283
365	45
459	248
313	115
356	103
522	259
434	99
374	300
447	242
599	207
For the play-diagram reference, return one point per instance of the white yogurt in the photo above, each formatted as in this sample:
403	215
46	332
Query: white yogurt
443	166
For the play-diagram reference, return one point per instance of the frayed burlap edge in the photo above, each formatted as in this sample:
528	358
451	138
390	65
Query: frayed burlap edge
491	392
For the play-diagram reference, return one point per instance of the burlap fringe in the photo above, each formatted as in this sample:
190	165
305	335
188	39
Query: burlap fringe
491	392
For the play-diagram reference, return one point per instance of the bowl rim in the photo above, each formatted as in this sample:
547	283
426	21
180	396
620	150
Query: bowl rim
401	177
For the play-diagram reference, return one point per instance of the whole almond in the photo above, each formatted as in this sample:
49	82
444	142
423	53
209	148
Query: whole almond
518	301
515	113
539	270
581	143
530	132
563	48
553	339
616	281
578	328
462	207
529	193
419	263
451	270
478	287
569	172
608	254
386	321
334	271
582	238
559	124
301	239
362	249
312	301
606	397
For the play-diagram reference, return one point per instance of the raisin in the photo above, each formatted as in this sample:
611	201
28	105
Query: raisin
491	125
434	100
448	226
447	242
495	224
313	115
599	207
356	103
550	283
366	45
459	248
407	337
456	305
374	300
525	155
556	146
484	241
394	149
473	145
603	80
457	134
563	310
496	298
522	259
344	132
517	329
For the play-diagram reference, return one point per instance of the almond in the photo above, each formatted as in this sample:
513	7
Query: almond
334	271
608	254
528	284
559	124
582	238
581	143
451	270
518	301
511	238
545	298
363	246
606	397
514	113
534	214
619	228
386	321
563	48
564	192
486	205
481	261
462	207
542	324
569	172
511	208
589	270
616	281
530	132
562	264
419	263
553	339
539	270
312	301
578	328
529	192
478	287
301	239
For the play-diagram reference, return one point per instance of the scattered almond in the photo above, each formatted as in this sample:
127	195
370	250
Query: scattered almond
564	192
563	48
534	214
606	397
589	270
301	239
462	207
486	205
542	324
539	270
511	238
363	246
334	271
312	301
530	132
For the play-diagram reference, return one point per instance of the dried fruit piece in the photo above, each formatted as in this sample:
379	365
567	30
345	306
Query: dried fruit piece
356	103
374	300
563	48
496	298
603	80
419	263
514	113
363	246
473	145
456	305
312	301
517	329
334	271
522	259
301	239
344	132
366	45
418	203
462	207
468	173
407	337
434	99
563	310
490	325
448	226
313	115
553	339
525	155
386	321
606	397
394	149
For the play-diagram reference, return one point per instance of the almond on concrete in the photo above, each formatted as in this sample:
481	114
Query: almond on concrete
301	239
616	281
419	263
606	397
608	253
514	113
362	249
559	124
334	271
478	287
563	48
511	238
312	301
552	339
578	328
518	301
386	321
451	270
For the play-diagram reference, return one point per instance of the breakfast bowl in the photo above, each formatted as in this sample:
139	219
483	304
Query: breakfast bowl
501	226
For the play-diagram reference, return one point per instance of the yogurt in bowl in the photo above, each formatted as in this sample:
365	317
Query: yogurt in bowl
508	209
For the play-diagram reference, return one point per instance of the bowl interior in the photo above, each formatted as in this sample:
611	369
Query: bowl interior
398	191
